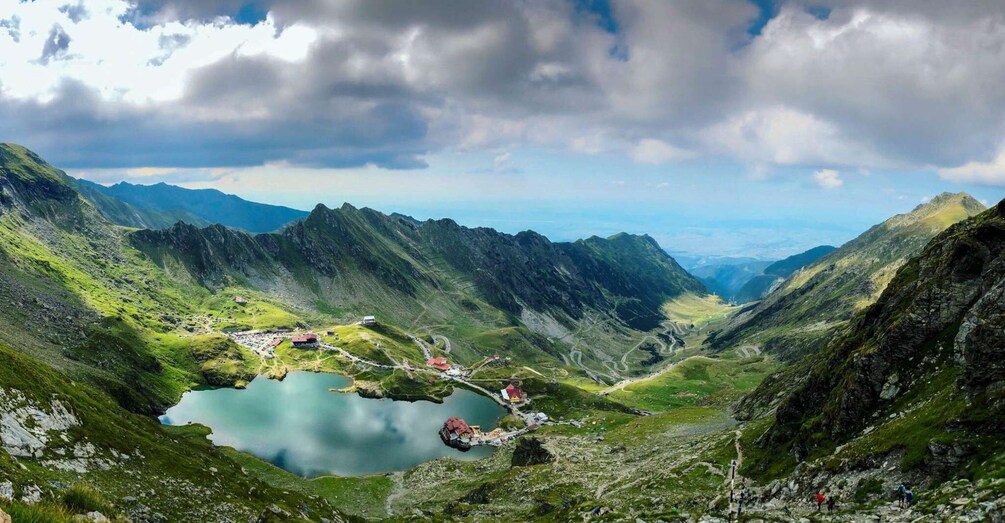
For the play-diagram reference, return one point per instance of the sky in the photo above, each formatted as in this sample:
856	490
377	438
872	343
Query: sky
719	127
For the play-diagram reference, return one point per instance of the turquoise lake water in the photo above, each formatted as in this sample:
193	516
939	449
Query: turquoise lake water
299	425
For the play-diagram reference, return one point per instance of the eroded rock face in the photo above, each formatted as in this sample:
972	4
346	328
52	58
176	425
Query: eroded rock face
980	345
25	426
530	451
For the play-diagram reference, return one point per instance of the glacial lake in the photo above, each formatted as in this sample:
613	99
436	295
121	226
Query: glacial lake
299	425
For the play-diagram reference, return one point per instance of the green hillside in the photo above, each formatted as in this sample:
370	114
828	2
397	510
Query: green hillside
87	454
911	392
805	310
437	276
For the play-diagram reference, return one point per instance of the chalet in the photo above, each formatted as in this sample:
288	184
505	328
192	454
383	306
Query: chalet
240	300
369	320
439	363
305	341
456	433
512	394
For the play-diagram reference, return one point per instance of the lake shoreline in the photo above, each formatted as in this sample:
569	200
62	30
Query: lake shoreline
310	425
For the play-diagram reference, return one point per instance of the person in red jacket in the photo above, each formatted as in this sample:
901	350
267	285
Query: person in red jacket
820	500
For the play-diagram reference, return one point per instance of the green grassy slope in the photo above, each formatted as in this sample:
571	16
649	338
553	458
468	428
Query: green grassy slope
437	277
126	457
805	310
917	378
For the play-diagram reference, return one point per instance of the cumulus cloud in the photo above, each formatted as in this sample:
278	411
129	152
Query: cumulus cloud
916	79
855	84
828	179
988	173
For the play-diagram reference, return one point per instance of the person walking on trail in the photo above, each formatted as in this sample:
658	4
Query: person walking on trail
820	500
908	497
732	469
830	503
901	494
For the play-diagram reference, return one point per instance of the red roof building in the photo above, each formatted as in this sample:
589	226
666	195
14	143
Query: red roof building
512	394
438	362
307	340
457	428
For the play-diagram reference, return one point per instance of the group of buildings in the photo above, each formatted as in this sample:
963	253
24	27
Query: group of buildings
441	364
313	341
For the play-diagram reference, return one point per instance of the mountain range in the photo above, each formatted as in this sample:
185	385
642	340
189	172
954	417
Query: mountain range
161	205
856	368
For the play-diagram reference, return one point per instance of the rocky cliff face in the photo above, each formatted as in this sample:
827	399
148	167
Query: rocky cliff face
930	350
214	255
29	183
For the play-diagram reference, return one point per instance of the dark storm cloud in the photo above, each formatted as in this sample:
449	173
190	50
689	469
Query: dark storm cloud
80	130
900	82
55	45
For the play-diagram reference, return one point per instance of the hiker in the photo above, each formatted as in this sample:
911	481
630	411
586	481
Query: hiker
901	493
820	500
730	495
908	497
830	503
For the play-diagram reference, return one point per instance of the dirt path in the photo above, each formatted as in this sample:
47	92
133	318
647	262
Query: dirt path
422	345
397	490
575	356
446	342
749	351
735	479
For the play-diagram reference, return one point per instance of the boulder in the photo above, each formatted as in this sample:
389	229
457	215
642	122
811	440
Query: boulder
530	451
